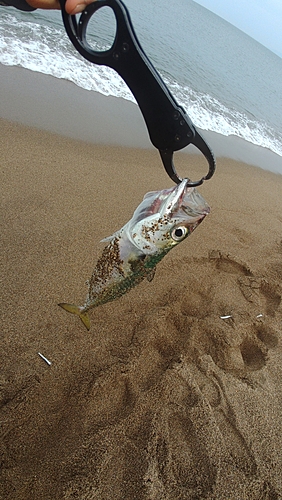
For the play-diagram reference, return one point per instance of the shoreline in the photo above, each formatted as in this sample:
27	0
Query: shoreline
59	106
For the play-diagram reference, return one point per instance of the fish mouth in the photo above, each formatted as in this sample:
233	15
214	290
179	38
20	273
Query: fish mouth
179	203
193	204
187	199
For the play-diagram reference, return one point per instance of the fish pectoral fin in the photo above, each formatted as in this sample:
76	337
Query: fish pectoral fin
151	274
79	311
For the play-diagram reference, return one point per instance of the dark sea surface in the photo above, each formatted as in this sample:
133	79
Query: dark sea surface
227	82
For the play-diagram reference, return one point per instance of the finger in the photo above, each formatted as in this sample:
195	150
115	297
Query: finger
75	6
44	4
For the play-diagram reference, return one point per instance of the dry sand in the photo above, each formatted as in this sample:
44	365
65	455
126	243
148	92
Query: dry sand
162	399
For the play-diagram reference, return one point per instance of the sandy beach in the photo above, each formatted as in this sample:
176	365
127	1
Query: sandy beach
163	399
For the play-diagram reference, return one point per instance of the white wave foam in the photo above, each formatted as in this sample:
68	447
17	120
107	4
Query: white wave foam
36	51
210	114
32	46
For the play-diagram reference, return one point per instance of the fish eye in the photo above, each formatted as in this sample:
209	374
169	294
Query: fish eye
179	233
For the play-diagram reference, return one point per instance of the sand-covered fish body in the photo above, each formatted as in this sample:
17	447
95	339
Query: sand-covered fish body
161	221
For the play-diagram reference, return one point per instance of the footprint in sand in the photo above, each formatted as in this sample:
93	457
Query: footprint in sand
259	291
224	262
254	356
226	419
255	348
267	335
176	450
242	342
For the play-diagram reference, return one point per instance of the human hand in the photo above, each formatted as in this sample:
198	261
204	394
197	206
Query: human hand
71	6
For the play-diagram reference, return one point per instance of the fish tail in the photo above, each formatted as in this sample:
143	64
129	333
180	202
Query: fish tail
79	311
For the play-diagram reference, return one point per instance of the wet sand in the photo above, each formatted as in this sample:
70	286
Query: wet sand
162	399
60	106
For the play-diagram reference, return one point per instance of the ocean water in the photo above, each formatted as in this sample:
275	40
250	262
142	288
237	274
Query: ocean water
227	82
